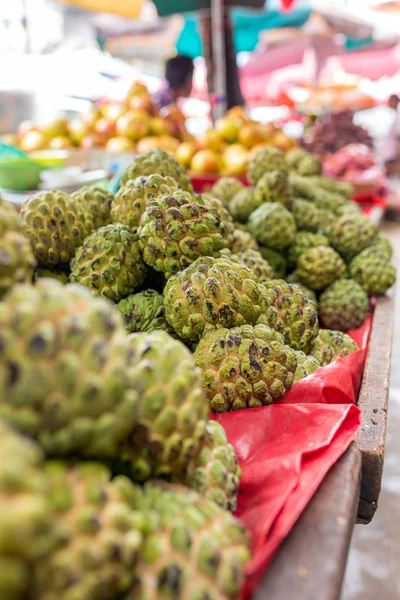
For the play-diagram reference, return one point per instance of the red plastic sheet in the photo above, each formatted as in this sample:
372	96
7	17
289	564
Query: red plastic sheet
286	449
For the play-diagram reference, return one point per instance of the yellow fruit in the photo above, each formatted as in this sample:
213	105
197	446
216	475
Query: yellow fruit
61	142
134	125
120	144
159	126
235	159
185	152
33	140
228	129
212	140
205	161
250	135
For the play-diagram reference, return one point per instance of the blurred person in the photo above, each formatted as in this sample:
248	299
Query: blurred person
179	81
391	146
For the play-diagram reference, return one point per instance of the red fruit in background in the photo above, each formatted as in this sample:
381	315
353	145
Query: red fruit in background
143	103
105	128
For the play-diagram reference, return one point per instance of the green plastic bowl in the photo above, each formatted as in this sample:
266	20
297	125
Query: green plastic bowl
19	174
50	159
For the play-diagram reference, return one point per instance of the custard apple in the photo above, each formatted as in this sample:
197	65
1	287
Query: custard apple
351	234
373	271
332	345
102	538
64	359
243	204
56	226
306	215
242	240
210	294
311	295
143	312
302	187
244	367
171	410
96	202
303	162
17	262
264	160
302	241
330	184
276	260
61	275
318	267
215	472
131	199
286	309
305	366
176	229
193	549
273	186
161	163
350	208
384	244
227	225
110	263
253	260
226	188
343	305
327	200
273	226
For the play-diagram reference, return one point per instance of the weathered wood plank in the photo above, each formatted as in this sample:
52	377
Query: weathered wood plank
311	562
373	403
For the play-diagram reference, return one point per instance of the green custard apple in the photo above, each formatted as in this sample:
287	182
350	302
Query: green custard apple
343	305
318	267
273	226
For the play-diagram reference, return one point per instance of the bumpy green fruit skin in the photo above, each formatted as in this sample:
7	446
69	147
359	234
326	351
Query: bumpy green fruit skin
265	160
294	157
243	204
384	244
303	162
210	294
109	263
332	345
64	360
131	199
61	276
302	187
245	367
176	229
273	226
302	241
160	163
226	188
227	225
276	260
28	530
306	215
96	202
144	311
102	541
306	365
17	262
373	271
56	226
171	410
351	234
334	185
344	305
318	267
311	295
273	186
215	472
287	310
193	548
241	241
253	260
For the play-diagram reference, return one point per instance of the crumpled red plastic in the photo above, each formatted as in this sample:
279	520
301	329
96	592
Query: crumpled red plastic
286	449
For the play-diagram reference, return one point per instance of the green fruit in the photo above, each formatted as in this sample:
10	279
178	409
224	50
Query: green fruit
243	204
131	199
64	360
327	200
143	312
334	185
226	188
171	410
96	202
384	244
311	295
227	225
17	262
242	240
193	548
102	541
176	229
244	367
56	226
210	294
160	163
288	311
302	187
295	156
350	208
273	186
265	160
373	271
61	276
253	260
309	165
332	345
273	226
306	215
327	220
318	267
28	531
305	366
109	263
351	234
9	217
215	472
343	305
277	262
303	240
